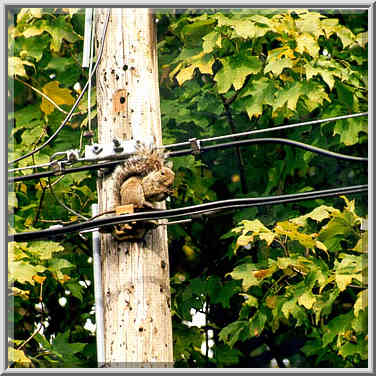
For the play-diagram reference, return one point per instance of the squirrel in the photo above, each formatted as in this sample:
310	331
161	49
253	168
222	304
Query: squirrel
141	180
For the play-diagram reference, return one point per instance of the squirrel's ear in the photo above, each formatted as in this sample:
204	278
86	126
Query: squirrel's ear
169	164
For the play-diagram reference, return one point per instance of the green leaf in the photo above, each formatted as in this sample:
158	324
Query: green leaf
60	64
56	265
290	95
246	273
33	47
211	41
63	347
277	66
335	327
235	70
257	323
44	249
23	272
350	349
312	347
349	130
59	29
226	356
237	330
76	289
255	95
225	293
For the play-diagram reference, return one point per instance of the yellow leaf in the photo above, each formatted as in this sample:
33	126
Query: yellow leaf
18	357
39	279
175	70
36	12
343	280
243	240
16	66
185	74
23	187
307	300
24	294
271	301
361	302
321	246
58	95
65	278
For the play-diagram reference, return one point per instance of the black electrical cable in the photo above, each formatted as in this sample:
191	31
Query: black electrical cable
269	129
65	121
193	210
313	149
179	153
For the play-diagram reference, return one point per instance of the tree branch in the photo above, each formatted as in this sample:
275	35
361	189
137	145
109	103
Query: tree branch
238	152
45	97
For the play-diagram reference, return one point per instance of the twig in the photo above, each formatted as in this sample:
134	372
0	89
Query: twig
238	152
31	337
45	97
40	204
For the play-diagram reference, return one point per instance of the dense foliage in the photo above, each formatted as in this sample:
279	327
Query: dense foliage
275	282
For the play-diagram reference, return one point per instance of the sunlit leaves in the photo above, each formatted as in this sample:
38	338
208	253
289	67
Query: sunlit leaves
22	271
59	29
235	70
18	359
16	66
307	43
44	249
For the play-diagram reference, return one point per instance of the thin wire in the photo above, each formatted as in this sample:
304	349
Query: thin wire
90	67
180	153
75	104
176	153
270	129
48	164
62	203
300	145
193	210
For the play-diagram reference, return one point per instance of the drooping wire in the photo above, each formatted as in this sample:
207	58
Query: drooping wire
270	129
65	121
215	138
297	144
194	210
178	153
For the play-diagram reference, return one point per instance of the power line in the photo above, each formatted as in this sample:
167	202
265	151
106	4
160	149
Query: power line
270	129
178	153
301	145
193	210
77	100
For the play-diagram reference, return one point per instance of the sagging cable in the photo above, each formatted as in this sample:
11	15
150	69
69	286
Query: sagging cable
186	211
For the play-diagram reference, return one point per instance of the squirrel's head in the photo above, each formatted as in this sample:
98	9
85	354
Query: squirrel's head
166	176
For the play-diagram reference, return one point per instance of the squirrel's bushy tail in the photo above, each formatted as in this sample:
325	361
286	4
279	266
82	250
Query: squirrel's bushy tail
145	160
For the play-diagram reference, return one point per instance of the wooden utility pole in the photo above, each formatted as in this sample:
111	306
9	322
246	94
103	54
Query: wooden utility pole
135	275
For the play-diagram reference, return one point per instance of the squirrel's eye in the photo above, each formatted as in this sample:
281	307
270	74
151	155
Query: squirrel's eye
162	173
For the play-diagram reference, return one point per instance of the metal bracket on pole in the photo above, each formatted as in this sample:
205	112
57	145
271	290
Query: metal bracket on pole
98	291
